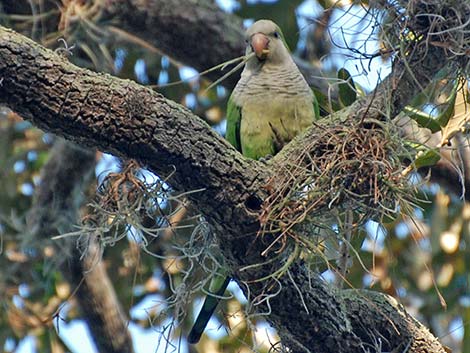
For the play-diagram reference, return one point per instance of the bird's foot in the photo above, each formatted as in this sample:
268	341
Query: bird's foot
265	159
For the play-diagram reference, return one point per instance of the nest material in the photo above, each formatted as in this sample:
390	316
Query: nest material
354	166
126	203
439	23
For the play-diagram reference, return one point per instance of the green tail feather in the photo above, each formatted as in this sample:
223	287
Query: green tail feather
208	308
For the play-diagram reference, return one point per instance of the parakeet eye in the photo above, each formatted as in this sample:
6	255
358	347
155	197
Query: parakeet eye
276	34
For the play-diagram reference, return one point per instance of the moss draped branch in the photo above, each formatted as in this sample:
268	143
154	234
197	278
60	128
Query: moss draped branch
128	120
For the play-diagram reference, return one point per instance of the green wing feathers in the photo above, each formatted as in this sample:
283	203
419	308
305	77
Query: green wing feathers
234	117
268	124
271	105
316	107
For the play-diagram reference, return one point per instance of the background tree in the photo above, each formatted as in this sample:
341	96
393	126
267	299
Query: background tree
163	252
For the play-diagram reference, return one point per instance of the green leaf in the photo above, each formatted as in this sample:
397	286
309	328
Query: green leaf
325	105
429	121
316	106
423	119
445	116
347	89
427	158
460	117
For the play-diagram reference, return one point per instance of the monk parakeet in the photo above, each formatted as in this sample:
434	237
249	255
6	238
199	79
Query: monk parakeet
272	102
270	105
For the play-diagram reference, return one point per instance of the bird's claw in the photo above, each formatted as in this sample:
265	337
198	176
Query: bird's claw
265	159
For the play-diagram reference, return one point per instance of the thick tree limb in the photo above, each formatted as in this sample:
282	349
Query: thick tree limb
198	34
128	120
102	310
175	28
55	211
158	21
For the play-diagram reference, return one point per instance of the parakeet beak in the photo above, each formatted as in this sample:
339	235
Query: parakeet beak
259	44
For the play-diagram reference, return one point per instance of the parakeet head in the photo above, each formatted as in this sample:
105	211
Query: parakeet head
265	39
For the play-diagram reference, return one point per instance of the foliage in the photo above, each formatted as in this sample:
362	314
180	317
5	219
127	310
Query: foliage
163	253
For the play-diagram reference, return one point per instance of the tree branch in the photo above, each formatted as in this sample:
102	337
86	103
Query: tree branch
55	210
220	36
174	27
131	121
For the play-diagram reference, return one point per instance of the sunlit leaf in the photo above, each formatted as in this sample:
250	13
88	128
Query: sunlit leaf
460	119
422	118
427	158
444	117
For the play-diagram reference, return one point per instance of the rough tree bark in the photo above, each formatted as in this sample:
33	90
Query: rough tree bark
158	22
131	121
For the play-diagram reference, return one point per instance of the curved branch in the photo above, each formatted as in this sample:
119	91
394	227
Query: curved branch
198	34
126	119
